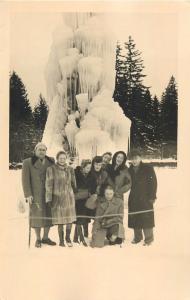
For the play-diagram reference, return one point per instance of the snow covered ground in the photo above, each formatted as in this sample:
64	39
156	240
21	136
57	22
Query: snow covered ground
132	272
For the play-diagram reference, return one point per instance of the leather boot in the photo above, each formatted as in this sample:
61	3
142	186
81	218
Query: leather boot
61	237
76	240
81	236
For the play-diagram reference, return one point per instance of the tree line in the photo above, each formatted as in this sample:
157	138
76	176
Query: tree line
26	125
154	121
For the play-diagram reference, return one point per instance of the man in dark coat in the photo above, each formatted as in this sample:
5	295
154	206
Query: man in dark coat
33	183
141	198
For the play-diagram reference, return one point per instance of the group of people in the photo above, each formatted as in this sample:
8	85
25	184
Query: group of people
92	192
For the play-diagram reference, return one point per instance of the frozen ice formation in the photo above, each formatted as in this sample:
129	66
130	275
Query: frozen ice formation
90	73
80	77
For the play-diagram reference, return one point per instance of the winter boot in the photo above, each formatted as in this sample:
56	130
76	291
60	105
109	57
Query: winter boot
38	244
61	237
67	238
85	228
76	240
81	236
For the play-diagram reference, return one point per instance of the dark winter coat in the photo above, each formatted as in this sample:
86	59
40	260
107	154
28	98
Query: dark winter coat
119	177
81	195
97	181
142	196
106	167
33	182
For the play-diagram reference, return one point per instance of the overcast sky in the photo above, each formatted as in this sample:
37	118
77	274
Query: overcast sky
155	36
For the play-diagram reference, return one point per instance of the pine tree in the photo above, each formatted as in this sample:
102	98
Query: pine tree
40	113
169	108
20	122
20	109
129	86
134	65
120	91
156	119
136	100
134	78
169	111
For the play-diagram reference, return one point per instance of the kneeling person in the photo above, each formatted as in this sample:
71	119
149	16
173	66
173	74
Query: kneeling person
109	220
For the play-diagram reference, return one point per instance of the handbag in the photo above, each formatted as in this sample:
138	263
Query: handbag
81	194
91	202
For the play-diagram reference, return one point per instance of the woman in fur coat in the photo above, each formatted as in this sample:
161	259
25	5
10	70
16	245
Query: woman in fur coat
60	187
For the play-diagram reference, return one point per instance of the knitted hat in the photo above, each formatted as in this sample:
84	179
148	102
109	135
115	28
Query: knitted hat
40	144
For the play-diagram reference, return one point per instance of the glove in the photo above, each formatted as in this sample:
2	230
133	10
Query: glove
152	201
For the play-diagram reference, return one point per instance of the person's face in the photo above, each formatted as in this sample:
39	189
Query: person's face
41	152
62	159
87	169
97	166
106	159
119	159
109	194
136	160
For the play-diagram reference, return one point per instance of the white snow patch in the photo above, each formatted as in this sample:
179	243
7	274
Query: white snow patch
134	272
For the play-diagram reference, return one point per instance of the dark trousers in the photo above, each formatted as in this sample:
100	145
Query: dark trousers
148	234
113	230
98	238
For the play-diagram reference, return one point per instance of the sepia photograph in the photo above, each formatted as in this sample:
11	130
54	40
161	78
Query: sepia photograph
93	205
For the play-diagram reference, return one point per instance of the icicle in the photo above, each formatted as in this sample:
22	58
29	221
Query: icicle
93	39
82	101
90	71
68	63
52	76
90	142
71	130
75	20
62	40
54	130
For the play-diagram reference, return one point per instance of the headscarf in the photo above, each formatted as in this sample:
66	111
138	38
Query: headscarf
112	172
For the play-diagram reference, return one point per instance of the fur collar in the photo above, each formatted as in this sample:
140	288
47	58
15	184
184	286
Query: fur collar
34	158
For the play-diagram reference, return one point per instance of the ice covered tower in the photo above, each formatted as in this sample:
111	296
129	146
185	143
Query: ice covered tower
80	79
